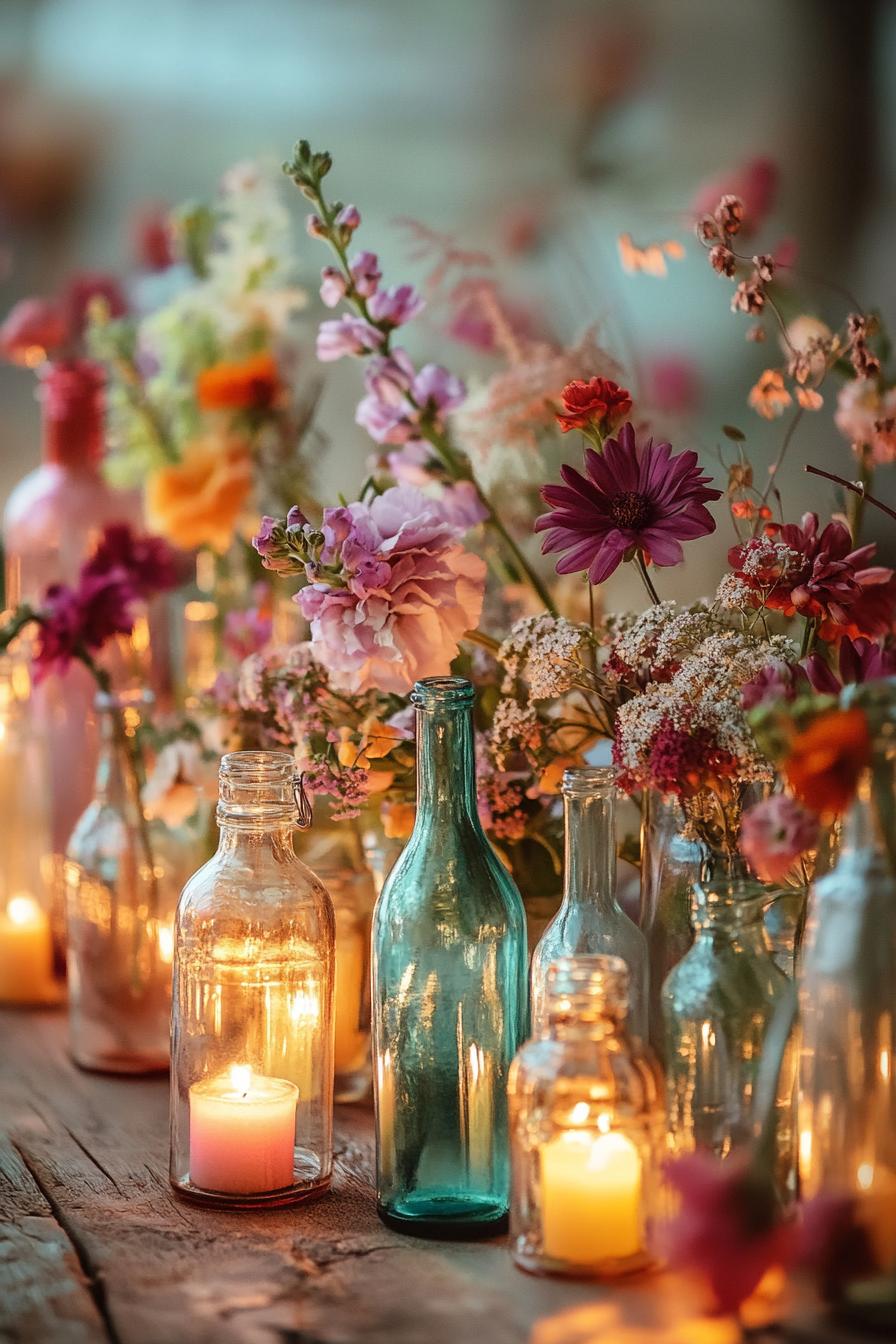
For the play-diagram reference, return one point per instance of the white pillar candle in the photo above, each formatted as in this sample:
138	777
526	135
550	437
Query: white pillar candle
590	1197
26	952
242	1132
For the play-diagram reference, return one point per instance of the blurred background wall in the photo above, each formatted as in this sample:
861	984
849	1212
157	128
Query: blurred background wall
538	131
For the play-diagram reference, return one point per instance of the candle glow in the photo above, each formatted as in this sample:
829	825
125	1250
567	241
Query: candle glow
242	1132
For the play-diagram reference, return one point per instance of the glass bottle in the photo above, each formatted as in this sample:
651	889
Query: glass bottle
590	919
120	899
334	851
252	1013
449	995
670	864
847	1092
587	1129
50	525
718	1003
31	934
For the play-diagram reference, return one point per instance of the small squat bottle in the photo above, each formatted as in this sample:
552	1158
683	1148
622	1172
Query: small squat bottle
252	1011
590	919
586	1130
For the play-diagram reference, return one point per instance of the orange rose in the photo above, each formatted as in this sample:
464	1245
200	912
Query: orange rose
552	776
197	501
827	759
239	385
398	820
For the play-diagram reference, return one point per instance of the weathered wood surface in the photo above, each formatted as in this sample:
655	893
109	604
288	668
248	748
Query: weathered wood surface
95	1248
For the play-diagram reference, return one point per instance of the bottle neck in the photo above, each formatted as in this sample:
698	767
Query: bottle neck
446	771
116	781
73	406
237	839
590	849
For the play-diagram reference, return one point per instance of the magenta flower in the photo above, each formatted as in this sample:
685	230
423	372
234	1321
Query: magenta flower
86	286
777	681
346	335
728	1228
80	620
147	563
396	305
332	286
774	833
858	661
635	497
365	273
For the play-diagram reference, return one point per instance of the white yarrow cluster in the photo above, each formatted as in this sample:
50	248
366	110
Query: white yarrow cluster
546	652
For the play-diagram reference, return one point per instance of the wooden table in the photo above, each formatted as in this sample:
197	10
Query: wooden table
94	1246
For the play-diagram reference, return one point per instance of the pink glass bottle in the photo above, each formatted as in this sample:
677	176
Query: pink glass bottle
52	521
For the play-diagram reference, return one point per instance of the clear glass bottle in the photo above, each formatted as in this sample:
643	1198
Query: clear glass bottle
587	1129
590	918
718	1003
120	899
449	995
335	853
847	1076
252	1014
31	935
51	523
670	864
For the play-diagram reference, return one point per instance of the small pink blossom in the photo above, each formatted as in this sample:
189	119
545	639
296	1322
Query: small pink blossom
349	217
396	305
365	273
315	227
774	833
346	335
332	286
777	681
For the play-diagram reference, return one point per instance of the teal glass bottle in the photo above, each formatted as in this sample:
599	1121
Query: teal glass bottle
450	1002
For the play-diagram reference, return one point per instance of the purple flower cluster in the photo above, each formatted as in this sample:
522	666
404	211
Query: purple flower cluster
398	397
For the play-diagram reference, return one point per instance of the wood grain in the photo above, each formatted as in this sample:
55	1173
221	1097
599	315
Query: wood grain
96	1248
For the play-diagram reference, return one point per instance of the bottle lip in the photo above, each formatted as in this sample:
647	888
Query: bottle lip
594	976
437	692
257	788
257	766
585	780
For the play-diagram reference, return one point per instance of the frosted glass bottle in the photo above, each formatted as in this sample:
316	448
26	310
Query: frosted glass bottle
52	520
449	995
590	919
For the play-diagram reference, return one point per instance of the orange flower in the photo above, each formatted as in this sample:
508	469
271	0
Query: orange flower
827	758
197	501
769	396
552	776
239	385
398	820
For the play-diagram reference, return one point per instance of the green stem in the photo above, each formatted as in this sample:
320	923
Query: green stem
648	583
482	640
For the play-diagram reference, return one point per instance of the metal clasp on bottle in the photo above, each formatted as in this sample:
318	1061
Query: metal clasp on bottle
304	811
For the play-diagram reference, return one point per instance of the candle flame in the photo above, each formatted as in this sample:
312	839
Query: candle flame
579	1113
865	1175
165	939
241	1078
304	1007
23	909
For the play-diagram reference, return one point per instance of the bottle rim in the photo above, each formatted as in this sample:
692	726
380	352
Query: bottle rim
586	780
438	692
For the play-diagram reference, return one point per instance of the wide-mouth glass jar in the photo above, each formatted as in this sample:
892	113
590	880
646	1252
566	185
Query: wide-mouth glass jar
587	1130
252	1012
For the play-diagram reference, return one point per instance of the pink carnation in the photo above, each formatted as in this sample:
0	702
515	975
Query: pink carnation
774	833
411	592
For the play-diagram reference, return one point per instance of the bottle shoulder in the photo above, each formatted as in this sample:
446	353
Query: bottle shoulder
276	891
578	929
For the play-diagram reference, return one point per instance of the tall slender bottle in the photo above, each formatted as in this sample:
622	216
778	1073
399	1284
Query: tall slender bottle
590	919
449	995
51	522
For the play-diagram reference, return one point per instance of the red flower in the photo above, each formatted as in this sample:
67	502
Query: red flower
599	402
147	563
824	579
80	620
152	241
826	760
684	760
727	1230
32	331
83	288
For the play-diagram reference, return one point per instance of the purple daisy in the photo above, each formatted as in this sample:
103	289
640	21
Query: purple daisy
635	497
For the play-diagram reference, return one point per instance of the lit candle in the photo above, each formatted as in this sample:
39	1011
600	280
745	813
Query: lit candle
242	1132
26	952
351	1041
590	1197
876	1210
